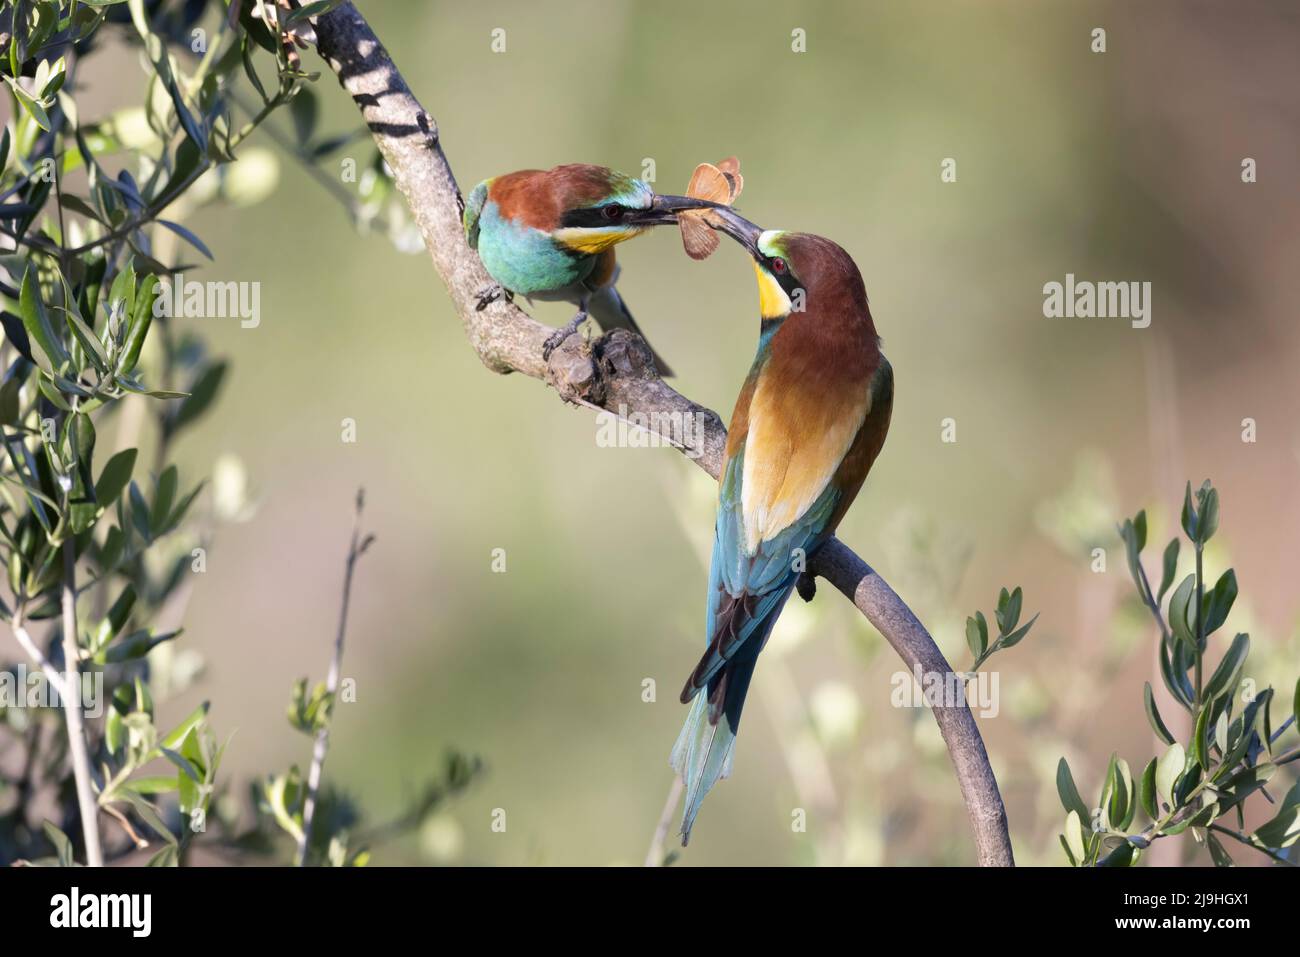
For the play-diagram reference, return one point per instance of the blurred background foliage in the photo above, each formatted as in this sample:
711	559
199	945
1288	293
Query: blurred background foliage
1121	166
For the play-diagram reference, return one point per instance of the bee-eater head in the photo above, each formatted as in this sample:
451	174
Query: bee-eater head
596	207
794	269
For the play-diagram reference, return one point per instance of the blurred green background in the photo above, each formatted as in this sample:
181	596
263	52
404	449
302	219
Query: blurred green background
1116	166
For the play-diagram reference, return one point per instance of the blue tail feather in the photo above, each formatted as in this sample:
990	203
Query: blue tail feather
705	748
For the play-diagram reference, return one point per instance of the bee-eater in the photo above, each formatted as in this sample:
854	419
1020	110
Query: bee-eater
550	235
810	420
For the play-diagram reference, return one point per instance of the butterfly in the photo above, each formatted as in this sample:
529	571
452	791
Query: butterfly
720	183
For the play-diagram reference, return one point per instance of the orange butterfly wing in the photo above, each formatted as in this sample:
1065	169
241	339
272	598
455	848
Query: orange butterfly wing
719	183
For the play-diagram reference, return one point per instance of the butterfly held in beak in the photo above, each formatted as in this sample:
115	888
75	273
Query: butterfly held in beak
720	183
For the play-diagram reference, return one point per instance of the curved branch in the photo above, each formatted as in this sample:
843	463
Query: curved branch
617	374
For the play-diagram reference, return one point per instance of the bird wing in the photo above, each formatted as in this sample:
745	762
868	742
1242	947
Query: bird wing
798	436
474	204
745	589
823	463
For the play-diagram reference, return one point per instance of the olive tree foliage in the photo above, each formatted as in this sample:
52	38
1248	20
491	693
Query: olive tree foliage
99	532
1234	757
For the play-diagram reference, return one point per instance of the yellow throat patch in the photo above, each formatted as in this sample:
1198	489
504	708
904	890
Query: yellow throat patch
772	299
594	240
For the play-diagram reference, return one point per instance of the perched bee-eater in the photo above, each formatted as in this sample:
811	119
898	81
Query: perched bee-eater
550	235
810	420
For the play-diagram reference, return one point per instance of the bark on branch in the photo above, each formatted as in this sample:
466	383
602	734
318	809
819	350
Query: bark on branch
617	375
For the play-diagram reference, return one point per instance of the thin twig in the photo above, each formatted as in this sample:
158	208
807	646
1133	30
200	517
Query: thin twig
80	757
321	748
616	373
139	842
656	855
34	652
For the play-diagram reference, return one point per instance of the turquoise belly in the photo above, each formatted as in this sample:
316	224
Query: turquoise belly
525	260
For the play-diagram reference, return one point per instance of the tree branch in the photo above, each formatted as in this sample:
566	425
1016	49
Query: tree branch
617	374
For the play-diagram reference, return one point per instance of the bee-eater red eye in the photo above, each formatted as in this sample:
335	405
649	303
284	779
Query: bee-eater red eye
778	266
612	212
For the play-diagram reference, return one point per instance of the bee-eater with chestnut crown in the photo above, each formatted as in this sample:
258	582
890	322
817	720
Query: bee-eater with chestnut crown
810	420
550	235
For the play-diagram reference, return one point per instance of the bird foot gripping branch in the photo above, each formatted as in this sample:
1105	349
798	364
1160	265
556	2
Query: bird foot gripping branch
556	338
490	294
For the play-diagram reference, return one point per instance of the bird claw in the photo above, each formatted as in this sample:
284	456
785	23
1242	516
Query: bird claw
556	338
806	586
490	294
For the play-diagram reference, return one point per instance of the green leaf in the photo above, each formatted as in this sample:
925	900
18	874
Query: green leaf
1189	514
114	478
183	763
1174	672
30	104
188	236
154	784
117	616
1225	675
1209	518
169	856
1219	601
1200	737
178	734
1190	778
1069	794
179	511
1218	854
303	109
1169	567
249	71
1147	791
121	295
133	646
975	639
147	812
79	205
1153	715
1284	829
1069	854
1240	731
1169	766
1221	731
1011	615
1121	805
1074	836
164	496
202	393
138	323
47	348
51	392
1122	856
1243	784
1013	639
111	550
62	846
1181	612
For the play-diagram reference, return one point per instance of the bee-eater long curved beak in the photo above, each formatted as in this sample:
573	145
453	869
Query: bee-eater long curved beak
740	229
664	209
